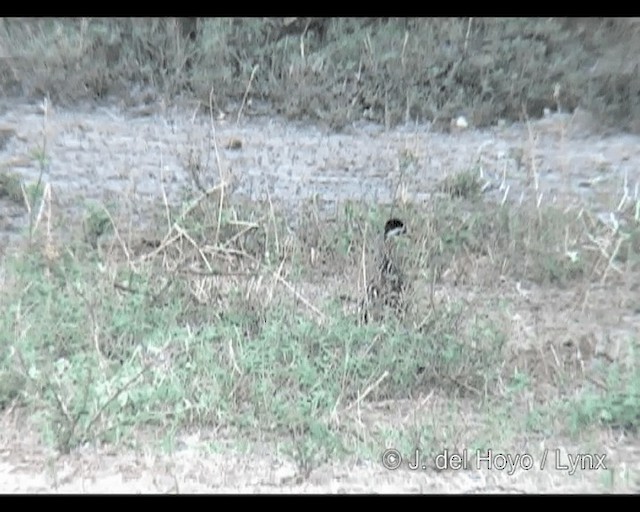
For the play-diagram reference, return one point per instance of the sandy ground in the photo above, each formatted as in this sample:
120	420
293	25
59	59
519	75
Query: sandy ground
106	153
111	154
553	466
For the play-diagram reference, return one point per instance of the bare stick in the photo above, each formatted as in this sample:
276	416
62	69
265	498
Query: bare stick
195	245
117	233
320	314
246	93
217	153
367	391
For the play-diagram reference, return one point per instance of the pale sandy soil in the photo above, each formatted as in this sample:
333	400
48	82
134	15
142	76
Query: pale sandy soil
106	153
26	466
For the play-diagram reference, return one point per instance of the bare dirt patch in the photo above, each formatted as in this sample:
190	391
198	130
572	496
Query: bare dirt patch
204	463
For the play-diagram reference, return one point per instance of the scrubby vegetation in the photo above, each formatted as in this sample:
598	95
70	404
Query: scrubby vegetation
229	320
337	70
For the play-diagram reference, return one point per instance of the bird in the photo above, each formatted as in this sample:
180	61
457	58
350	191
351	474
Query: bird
386	288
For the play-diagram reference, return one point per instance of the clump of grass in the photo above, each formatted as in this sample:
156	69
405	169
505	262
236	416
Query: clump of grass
612	399
547	245
11	186
96	223
464	184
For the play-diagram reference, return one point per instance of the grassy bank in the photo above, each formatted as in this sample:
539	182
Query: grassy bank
336	70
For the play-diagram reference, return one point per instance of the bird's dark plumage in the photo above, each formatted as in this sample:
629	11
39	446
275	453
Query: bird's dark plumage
386	287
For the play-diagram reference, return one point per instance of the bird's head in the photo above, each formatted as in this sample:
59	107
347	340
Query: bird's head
393	228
